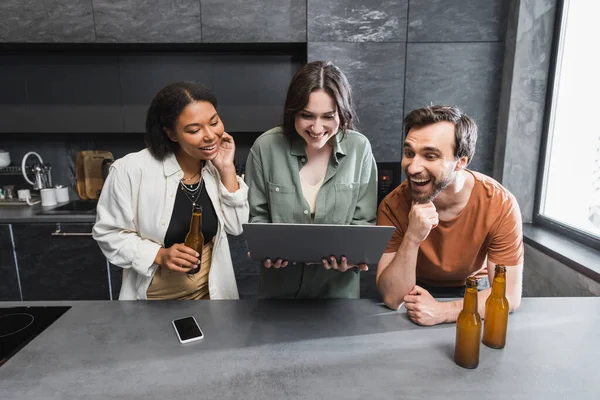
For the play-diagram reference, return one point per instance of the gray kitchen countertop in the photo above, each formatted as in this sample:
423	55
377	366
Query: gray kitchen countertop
335	349
29	214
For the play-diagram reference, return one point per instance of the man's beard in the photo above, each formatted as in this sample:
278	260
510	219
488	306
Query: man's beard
438	186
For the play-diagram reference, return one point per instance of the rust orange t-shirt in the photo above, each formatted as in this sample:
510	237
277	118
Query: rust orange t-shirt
489	226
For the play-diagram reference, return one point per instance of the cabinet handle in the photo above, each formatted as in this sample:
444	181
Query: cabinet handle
59	233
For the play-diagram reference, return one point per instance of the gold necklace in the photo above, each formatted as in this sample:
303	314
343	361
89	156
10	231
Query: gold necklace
191	177
193	194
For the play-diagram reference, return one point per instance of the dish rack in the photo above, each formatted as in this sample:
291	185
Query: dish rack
19	203
12	170
16	170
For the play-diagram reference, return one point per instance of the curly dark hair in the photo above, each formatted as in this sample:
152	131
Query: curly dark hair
164	110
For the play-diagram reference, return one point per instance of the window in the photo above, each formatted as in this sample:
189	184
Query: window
569	195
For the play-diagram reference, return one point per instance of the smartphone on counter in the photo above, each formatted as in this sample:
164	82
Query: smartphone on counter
187	329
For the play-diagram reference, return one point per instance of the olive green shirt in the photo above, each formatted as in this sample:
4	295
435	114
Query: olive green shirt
348	196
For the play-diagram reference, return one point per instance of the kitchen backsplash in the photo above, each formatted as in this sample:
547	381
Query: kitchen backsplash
59	150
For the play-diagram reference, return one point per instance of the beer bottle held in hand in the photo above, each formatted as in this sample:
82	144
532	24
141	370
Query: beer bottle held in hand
495	321
468	329
194	238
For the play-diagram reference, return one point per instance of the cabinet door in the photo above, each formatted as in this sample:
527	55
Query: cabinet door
9	282
116	277
73	93
251	90
246	271
13	95
143	75
60	267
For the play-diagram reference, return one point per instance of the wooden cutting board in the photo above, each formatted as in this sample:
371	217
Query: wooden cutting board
80	175
88	167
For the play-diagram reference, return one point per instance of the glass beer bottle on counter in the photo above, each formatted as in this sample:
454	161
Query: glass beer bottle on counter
468	329
495	321
194	238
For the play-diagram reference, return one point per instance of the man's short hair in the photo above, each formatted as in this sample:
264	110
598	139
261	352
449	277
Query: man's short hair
465	129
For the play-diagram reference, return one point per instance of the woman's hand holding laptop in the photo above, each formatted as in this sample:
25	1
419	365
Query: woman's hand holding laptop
343	265
328	263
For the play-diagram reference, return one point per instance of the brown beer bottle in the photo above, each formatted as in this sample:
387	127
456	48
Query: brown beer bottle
468	329
495	320
194	238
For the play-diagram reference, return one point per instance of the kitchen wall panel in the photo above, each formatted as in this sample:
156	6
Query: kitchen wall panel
376	73
457	20
148	21
466	75
47	21
249	21
357	21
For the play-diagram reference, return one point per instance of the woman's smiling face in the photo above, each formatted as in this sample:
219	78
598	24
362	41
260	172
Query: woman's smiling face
198	130
319	120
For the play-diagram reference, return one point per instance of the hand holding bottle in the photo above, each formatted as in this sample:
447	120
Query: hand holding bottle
178	257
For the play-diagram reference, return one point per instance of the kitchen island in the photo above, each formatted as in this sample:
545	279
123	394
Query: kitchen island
335	349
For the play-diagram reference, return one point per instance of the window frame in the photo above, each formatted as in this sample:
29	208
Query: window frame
539	219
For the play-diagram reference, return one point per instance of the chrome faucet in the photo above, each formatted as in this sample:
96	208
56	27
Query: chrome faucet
37	170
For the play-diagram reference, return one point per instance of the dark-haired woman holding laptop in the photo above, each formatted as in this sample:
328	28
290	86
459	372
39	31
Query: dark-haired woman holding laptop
315	169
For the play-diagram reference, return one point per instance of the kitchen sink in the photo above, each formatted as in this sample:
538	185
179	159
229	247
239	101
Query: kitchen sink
73	207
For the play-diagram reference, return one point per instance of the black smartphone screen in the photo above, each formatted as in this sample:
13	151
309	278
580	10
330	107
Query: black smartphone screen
187	328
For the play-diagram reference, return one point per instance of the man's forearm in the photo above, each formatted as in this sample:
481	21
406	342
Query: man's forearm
400	275
453	308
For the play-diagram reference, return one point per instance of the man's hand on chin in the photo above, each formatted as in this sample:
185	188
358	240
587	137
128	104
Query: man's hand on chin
423	309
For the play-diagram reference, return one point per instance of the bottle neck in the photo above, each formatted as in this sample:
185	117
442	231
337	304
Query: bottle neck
470	300
196	222
499	285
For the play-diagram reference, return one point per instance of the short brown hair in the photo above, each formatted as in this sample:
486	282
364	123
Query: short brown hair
313	76
465	129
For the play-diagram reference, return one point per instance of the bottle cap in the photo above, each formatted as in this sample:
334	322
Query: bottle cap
471	282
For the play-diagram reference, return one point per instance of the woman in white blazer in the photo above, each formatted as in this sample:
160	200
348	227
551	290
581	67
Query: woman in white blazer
144	210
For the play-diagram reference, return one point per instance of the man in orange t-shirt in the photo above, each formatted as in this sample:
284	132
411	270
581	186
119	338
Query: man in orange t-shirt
451	223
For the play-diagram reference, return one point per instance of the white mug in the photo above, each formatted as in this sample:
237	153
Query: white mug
24	194
48	197
62	194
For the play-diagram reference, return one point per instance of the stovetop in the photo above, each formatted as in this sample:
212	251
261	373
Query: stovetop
20	325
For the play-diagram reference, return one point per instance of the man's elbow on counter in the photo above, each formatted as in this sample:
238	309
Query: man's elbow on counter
392	302
514	303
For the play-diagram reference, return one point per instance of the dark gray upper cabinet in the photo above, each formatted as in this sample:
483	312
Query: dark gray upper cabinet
64	268
14	110
48	21
143	75
253	21
251	91
136	21
73	93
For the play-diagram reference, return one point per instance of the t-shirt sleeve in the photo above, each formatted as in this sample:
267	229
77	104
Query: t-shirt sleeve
506	246
386	217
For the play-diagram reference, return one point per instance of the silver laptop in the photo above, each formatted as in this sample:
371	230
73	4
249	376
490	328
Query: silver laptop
309	243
